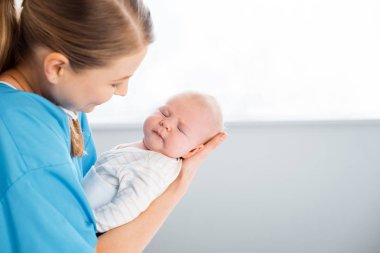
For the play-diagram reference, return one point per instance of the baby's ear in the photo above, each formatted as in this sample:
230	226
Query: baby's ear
193	151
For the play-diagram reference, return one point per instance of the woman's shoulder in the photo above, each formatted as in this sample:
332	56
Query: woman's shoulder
29	107
31	128
15	101
26	114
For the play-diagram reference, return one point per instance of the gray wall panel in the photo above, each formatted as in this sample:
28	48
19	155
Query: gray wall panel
289	187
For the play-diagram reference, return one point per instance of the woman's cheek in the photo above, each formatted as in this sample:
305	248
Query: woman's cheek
104	97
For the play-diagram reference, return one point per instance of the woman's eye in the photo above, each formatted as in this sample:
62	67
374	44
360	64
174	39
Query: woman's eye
114	85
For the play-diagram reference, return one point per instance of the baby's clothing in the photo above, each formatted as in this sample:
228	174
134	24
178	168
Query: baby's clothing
124	181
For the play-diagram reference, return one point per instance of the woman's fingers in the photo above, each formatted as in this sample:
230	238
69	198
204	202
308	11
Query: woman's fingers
208	147
214	142
190	165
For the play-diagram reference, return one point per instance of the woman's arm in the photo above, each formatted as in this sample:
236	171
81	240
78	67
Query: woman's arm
135	235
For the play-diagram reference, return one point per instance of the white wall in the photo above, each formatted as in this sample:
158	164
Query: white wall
278	187
263	59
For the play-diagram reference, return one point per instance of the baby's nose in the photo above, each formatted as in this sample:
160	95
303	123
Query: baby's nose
165	124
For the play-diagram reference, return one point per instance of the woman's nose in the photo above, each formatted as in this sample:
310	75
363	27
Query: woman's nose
122	89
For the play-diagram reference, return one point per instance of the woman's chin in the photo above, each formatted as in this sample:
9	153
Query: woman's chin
88	109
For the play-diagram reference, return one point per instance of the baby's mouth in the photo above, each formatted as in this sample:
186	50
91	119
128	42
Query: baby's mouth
158	133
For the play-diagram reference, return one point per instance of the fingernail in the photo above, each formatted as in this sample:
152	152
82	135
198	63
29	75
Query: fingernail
223	137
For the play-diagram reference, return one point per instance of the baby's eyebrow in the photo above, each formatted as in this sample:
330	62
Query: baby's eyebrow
164	107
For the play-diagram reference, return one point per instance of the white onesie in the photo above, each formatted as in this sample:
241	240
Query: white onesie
124	181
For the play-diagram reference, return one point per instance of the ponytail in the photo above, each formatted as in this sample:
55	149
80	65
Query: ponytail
8	34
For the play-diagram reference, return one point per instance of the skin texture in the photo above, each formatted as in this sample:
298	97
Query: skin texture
179	128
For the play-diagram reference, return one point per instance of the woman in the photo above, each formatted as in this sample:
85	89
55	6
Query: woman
58	60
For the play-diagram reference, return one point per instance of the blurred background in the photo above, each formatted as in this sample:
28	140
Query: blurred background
264	60
299	85
277	187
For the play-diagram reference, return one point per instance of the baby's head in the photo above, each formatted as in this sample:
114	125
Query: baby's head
181	126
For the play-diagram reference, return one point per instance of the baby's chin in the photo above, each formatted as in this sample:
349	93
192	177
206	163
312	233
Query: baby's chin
150	146
175	156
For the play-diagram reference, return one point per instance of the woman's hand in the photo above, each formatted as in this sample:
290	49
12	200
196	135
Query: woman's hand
190	165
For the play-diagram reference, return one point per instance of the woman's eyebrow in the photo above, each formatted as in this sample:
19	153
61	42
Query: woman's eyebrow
123	78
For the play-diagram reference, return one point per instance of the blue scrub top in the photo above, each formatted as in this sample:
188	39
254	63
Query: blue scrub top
43	207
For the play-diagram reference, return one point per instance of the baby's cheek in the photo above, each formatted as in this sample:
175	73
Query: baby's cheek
180	150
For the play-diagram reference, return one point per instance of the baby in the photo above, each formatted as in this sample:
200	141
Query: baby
125	180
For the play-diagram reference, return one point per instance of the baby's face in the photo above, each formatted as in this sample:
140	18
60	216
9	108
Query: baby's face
178	127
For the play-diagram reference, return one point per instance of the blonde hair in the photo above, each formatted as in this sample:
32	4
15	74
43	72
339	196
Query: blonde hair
89	33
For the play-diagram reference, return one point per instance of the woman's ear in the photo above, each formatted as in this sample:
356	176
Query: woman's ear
54	66
193	151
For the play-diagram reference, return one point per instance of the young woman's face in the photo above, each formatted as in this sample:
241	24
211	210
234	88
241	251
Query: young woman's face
86	89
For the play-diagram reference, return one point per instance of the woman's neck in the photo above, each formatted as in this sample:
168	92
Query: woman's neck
22	78
17	80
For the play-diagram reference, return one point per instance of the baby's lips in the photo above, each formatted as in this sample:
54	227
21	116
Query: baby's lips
158	133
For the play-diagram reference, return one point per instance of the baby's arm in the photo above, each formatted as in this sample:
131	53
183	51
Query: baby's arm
134	236
125	206
139	185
